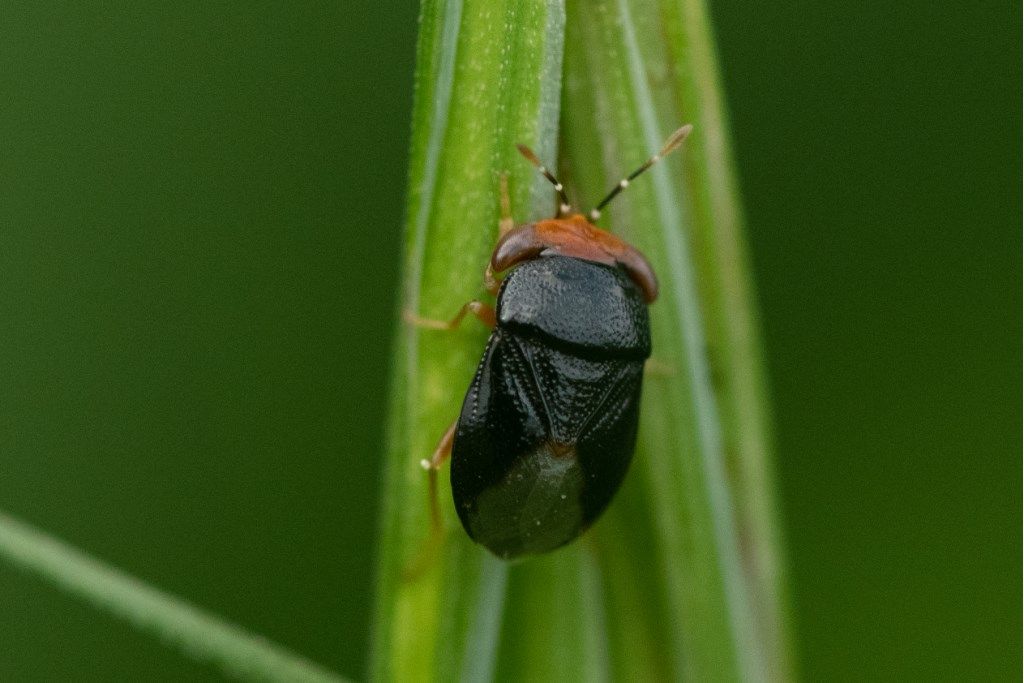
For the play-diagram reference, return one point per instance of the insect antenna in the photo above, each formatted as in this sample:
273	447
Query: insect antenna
563	206
673	142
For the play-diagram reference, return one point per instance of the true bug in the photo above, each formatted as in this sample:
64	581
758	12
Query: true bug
548	426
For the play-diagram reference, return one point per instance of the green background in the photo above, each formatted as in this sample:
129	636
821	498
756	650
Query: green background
200	208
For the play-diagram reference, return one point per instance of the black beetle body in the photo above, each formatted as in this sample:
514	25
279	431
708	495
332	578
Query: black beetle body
549	424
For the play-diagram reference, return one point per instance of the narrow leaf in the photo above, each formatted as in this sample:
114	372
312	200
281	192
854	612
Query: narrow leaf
488	76
198	633
681	580
634	73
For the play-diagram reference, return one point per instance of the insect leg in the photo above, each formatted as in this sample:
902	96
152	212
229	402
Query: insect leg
505	225
429	550
442	452
438	458
481	310
658	368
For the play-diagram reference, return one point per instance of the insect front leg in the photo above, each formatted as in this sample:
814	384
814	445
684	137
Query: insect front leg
505	225
482	311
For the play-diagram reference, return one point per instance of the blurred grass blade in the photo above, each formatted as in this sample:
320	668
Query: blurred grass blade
488	76
200	635
635	72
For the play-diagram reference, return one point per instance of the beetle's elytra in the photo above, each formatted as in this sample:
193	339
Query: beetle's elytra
548	427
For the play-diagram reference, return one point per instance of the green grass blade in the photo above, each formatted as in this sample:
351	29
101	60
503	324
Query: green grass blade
635	72
199	634
555	626
733	335
488	76
681	580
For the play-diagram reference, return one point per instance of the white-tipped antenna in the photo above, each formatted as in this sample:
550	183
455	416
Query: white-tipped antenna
563	200
673	143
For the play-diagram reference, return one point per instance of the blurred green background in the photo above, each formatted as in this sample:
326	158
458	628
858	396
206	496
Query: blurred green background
200	208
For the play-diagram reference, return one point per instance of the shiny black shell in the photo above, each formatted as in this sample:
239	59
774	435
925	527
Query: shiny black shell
549	424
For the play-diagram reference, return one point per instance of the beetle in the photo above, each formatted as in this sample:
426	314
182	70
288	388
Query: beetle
549	423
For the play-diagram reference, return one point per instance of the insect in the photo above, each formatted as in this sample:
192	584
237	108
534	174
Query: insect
548	426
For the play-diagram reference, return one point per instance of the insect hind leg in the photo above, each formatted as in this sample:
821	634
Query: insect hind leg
438	458
430	549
